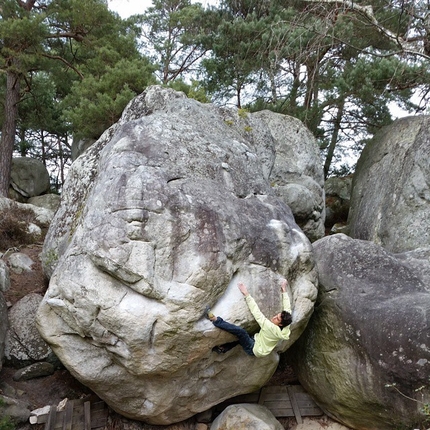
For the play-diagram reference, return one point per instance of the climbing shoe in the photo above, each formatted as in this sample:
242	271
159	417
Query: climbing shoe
209	313
219	349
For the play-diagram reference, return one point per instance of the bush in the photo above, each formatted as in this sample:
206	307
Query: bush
14	227
6	423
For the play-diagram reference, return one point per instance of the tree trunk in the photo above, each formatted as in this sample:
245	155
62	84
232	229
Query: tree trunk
334	137
8	131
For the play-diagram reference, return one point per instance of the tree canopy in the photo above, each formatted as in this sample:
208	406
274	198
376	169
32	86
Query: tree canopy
69	66
337	65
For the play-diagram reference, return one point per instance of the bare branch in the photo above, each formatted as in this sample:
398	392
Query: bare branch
367	13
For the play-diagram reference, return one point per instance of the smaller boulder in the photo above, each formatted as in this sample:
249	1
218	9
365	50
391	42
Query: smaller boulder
35	370
19	263
17	411
24	344
47	201
29	177
245	416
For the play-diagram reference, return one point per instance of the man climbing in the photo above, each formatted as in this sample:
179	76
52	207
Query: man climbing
271	331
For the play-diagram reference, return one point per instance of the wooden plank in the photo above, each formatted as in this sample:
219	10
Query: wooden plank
87	416
294	405
74	416
68	416
305	402
52	418
278	404
98	416
282	413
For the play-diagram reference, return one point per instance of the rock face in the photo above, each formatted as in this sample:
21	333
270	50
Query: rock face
3	327
390	202
365	356
165	214
4	323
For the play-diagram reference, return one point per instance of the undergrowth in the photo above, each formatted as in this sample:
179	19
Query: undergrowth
14	223
5	421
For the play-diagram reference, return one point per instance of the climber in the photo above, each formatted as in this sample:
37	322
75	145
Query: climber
271	331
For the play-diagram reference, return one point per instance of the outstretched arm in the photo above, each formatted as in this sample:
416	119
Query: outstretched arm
284	284
286	305
252	305
243	289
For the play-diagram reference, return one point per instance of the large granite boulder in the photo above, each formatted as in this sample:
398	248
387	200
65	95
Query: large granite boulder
390	201
365	356
165	214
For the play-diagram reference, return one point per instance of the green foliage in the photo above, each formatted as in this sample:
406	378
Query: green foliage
321	62
78	66
194	91
177	35
6	423
97	102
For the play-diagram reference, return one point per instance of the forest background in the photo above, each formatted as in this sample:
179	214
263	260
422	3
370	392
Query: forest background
69	67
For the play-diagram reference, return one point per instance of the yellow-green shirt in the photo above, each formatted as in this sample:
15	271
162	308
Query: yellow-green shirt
270	334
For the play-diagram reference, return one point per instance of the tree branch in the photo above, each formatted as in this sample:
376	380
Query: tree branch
79	37
57	57
26	5
367	12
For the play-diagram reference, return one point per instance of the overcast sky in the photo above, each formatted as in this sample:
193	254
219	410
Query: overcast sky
125	8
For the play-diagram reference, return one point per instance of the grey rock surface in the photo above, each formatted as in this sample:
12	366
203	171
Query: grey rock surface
365	355
17	411
35	370
20	262
246	416
29	177
47	201
43	216
4	276
24	345
390	201
4	326
165	214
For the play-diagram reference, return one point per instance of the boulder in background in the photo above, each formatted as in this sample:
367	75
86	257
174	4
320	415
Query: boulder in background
365	355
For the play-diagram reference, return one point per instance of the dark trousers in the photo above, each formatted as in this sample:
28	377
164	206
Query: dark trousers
244	339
